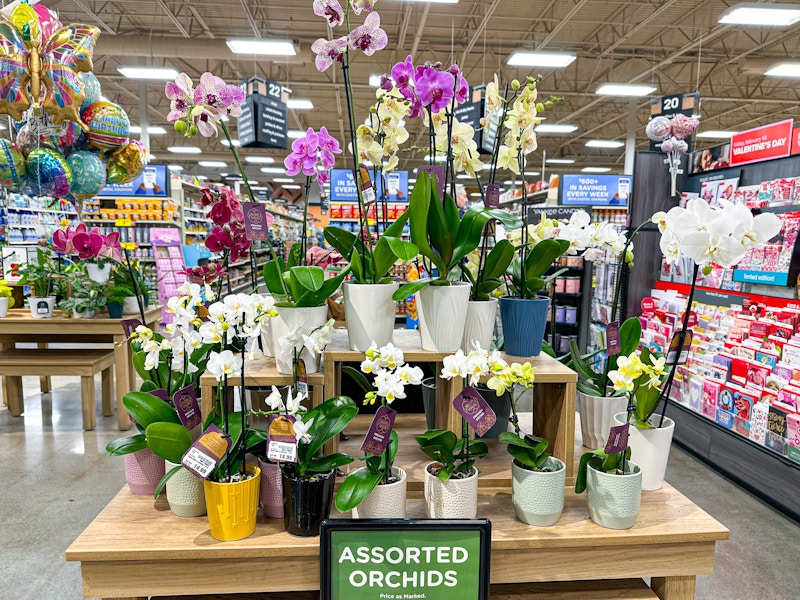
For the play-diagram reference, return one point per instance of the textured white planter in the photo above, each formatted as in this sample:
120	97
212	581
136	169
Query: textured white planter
597	417
370	313
452	499
98	273
185	493
87	314
442	315
614	500
3	306
479	325
650	448
538	498
130	306
309	318
385	501
42	308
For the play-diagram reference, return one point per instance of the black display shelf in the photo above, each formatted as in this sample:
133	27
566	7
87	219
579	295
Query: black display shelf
766	474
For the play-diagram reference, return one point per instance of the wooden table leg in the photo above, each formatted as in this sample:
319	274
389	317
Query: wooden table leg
674	588
12	392
122	365
446	415
108	391
332	386
207	399
44	381
87	402
4	346
554	420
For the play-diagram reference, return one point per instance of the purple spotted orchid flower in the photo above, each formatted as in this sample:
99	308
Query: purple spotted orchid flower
328	52
368	38
331	10
201	108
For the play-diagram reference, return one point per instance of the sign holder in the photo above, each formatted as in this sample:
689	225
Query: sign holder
396	536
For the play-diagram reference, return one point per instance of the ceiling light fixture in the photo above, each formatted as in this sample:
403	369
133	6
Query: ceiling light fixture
263	47
175	168
260	160
202	177
155	73
375	80
596	169
531	173
555	128
560	161
213	164
283	180
761	15
184	149
290	187
556	60
604	144
236	143
272	170
625	89
299	104
151	129
716	134
785	69
293	134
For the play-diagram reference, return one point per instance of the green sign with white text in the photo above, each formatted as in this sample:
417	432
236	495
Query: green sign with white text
439	563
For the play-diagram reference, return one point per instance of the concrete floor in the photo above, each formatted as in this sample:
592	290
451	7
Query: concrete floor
56	478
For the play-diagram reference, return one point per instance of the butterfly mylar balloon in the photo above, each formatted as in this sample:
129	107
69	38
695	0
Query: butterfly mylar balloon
43	75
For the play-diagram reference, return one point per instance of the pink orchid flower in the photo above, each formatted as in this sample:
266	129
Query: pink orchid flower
359	5
180	93
368	38
331	10
328	52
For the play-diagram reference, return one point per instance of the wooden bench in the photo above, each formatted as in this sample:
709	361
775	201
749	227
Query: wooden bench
14	364
608	589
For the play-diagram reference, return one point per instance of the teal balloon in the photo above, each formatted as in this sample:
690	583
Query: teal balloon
48	173
88	174
12	166
91	89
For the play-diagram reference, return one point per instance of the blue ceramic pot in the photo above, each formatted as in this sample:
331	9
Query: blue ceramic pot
523	324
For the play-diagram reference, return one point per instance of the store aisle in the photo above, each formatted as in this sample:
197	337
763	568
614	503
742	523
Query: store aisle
56	479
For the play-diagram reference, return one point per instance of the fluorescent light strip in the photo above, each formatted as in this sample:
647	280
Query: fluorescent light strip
532	173
155	73
273	170
290	187
555	128
283	180
213	164
236	143
375	80
786	69
716	134
151	129
175	168
293	134
263	47
752	14
560	161
299	104
596	169
555	60
624	89
260	160
604	144
184	149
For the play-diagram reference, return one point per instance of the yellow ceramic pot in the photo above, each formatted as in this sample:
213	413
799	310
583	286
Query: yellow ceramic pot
232	507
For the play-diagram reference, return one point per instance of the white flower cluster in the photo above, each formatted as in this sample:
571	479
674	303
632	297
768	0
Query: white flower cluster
292	407
719	235
520	122
380	139
478	363
315	341
466	157
392	374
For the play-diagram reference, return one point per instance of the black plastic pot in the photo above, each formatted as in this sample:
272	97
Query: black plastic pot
307	502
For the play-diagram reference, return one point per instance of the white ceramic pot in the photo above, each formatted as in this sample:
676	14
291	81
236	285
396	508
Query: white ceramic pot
185	493
479	325
42	308
442	315
385	501
266	338
98	273
130	306
3	306
538	497
614	500
87	314
309	319
597	417
452	499
650	448
370	313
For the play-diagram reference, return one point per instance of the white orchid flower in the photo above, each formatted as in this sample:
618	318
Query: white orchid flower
224	363
301	431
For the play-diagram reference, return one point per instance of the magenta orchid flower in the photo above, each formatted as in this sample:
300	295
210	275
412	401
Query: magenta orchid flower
307	144
359	5
62	238
435	88
368	38
87	244
331	10
328	52
181	95
403	75
462	89
312	151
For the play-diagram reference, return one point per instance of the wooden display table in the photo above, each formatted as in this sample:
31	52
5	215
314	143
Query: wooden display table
553	393
20	326
136	547
258	374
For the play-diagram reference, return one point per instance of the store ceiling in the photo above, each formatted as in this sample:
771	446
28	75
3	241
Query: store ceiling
675	45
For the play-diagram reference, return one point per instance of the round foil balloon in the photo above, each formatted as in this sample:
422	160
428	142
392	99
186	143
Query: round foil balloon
48	21
91	89
108	125
88	174
67	133
12	167
27	141
683	126
658	129
127	163
48	173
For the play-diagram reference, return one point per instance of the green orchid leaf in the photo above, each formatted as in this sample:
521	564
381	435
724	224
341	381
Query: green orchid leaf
309	278
630	332
409	289
355	489
295	257
147	409
498	260
358	377
324	464
126	445
164	480
440	234
273	277
541	257
451	215
170	441
342	241
357	266
402	249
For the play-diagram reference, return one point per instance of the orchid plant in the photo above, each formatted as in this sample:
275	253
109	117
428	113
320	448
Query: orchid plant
639	376
87	244
392	375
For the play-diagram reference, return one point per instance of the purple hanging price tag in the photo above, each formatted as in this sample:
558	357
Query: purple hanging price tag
160	393
130	325
492	196
617	439
256	221
471	405
438	172
205	454
188	408
377	438
613	344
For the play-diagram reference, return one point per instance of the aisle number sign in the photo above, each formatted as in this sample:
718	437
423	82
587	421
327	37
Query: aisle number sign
399	559
669	106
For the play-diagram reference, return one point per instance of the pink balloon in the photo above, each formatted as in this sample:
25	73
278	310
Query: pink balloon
48	20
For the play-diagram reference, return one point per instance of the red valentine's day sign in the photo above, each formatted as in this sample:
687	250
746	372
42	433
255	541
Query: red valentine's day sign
762	143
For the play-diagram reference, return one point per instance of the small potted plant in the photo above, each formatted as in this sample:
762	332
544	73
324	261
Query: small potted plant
378	489
40	277
97	251
87	297
613	485
6	298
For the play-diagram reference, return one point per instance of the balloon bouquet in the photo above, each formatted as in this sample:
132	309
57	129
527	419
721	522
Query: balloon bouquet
69	143
672	134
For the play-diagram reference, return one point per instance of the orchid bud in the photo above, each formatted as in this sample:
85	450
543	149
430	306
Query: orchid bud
549	104
454	70
515	84
192	131
181	126
539	107
373	110
707	270
531	79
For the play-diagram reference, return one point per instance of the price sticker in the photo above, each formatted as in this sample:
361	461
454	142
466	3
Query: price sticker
128	245
200	463
282	452
281	442
207	452
124	223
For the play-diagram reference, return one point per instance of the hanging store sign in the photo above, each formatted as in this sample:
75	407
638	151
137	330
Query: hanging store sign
265	116
669	106
762	143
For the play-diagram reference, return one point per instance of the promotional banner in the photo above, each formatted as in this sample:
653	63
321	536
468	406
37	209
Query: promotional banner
405	559
595	190
153	181
343	186
762	143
